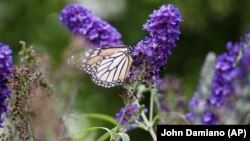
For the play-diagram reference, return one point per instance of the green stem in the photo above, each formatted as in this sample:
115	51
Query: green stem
151	111
145	119
106	135
135	87
157	102
148	124
140	125
152	133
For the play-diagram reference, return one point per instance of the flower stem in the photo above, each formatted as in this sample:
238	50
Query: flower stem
152	133
148	123
152	105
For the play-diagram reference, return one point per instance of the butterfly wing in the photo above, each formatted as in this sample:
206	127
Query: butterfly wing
85	60
112	70
108	66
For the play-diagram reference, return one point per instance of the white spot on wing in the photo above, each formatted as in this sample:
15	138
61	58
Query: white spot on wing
84	60
93	55
87	54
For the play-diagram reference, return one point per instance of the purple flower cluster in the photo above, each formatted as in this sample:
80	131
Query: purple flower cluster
200	112
82	21
229	85
151	53
224	73
164	25
130	117
221	87
6	67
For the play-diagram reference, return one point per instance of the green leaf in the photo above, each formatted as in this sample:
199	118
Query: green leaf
124	136
104	137
102	117
96	128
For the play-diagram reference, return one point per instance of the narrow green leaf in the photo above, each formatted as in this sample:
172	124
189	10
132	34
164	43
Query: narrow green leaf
102	117
124	136
96	128
104	137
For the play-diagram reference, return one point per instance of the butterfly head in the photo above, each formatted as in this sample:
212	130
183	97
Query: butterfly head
130	49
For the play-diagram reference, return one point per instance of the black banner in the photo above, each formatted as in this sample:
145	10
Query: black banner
222	132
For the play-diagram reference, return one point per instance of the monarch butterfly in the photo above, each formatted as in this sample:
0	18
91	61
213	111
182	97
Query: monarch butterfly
107	66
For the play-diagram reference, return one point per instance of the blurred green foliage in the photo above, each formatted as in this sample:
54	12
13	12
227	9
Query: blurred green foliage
207	26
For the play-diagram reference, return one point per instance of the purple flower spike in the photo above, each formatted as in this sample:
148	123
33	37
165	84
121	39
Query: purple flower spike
164	24
6	68
130	113
227	92
82	21
224	68
151	53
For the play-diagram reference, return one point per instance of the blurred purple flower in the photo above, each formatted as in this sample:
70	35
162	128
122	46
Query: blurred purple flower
190	116
151	53
194	101
225	65
6	68
209	117
82	21
227	94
